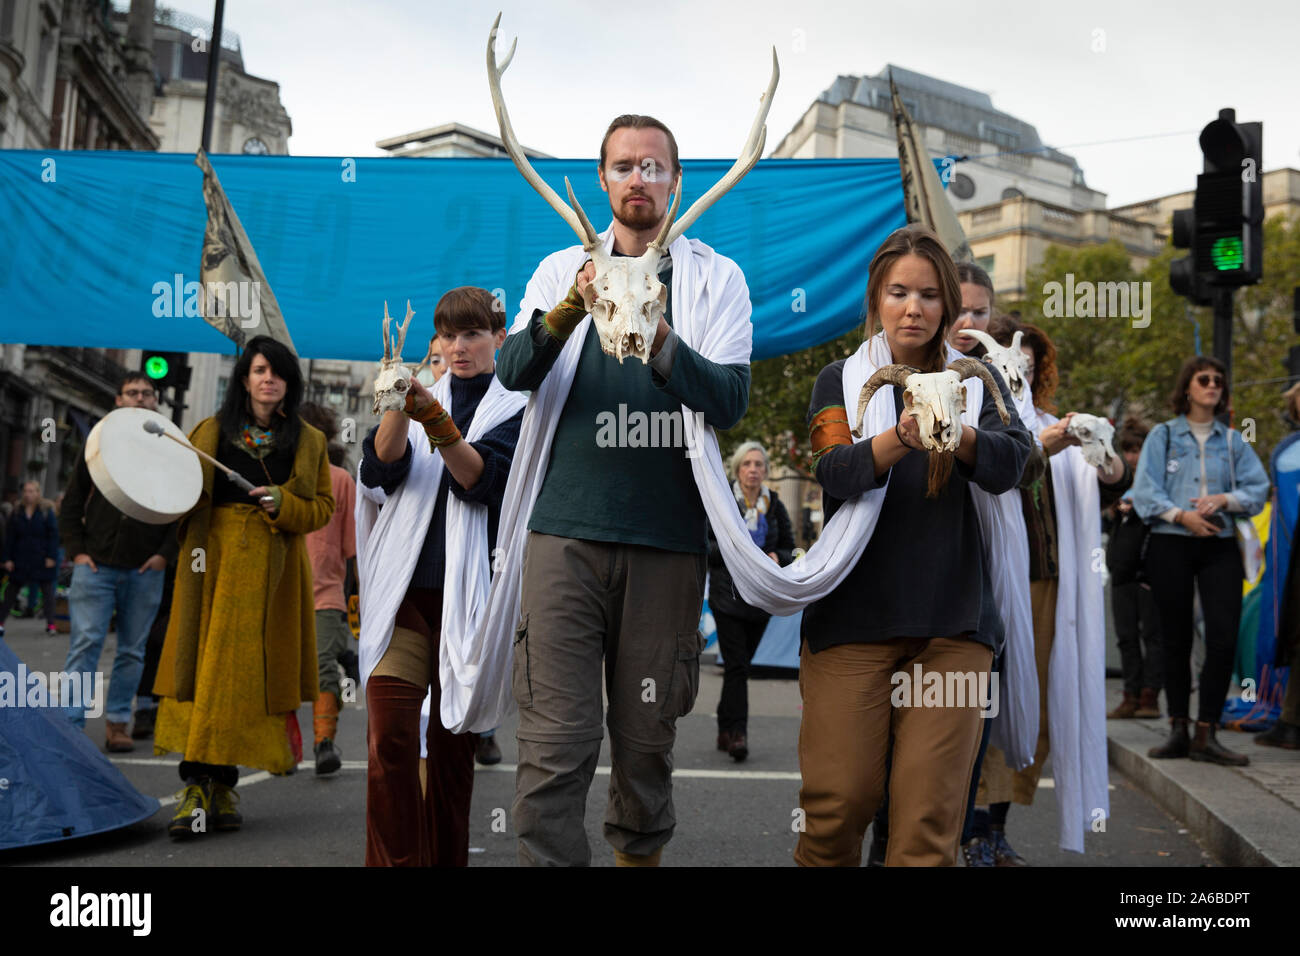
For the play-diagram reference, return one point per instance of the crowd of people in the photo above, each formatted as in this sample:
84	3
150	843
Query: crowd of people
971	559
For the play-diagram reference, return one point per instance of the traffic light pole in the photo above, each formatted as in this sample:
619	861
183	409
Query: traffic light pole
1223	335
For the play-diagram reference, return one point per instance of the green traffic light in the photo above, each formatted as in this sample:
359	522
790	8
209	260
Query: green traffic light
1227	253
156	367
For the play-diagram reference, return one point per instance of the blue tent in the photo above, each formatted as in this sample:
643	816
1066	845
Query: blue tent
57	785
97	247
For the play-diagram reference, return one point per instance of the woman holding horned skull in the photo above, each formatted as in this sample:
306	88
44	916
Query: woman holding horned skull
439	469
1062	496
240	652
911	604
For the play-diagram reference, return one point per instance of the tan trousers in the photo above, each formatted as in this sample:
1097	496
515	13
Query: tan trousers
998	782
844	738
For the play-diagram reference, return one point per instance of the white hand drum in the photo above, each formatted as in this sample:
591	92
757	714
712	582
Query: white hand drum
146	477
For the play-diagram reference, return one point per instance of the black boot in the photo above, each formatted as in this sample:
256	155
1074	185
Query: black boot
1205	747
328	758
1284	735
1177	744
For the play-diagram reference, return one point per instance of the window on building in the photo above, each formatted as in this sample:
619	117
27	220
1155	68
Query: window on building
1011	192
7	19
222	383
1002	138
43	59
985	263
963	187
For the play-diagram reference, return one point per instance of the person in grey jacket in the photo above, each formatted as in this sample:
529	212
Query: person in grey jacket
1195	476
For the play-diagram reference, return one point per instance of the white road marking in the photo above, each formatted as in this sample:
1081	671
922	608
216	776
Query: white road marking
1047	783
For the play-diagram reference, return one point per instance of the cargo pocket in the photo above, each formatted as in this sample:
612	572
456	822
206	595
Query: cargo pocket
521	678
686	679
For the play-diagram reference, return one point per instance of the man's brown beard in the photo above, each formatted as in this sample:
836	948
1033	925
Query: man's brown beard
638	217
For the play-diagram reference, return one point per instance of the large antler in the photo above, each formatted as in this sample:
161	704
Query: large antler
885	375
968	367
748	157
577	221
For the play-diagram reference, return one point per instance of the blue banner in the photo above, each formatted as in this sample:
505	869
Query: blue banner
99	249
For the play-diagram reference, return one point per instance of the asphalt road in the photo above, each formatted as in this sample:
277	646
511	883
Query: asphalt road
728	814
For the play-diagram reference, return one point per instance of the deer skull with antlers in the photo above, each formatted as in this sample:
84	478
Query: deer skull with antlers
394	378
935	399
1009	360
626	298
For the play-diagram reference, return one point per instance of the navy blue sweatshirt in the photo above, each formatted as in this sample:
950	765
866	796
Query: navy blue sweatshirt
497	448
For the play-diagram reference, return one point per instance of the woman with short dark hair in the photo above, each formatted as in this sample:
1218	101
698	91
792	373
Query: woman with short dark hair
447	454
240	652
1193	476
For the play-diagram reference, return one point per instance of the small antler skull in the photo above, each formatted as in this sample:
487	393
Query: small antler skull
394	378
1094	434
1009	360
935	399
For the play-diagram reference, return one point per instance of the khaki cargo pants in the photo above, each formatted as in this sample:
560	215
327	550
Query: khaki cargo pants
636	610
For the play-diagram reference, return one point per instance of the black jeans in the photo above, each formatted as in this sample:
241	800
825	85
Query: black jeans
968	825
737	639
1175	564
1137	630
11	597
153	647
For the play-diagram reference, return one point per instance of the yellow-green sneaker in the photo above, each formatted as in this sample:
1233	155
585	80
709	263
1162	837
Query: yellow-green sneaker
191	817
225	816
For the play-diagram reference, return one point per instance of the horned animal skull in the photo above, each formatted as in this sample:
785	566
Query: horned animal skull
394	378
626	298
1010	361
936	399
1094	434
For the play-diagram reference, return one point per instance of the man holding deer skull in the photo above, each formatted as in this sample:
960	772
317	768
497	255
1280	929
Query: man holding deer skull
605	578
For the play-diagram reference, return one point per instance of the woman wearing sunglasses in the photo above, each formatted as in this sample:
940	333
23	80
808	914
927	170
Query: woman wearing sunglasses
1193	478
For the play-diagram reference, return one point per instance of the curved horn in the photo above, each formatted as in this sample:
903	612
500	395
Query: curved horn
581	226
1015	340
885	375
748	157
388	342
988	341
969	367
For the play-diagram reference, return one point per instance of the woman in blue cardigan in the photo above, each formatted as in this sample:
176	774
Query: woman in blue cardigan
1195	476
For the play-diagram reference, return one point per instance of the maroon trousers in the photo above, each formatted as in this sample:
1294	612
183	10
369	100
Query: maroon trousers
403	827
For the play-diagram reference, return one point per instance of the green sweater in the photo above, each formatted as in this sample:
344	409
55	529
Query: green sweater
619	469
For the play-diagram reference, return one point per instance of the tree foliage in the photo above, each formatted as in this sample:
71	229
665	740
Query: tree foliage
779	392
1106	364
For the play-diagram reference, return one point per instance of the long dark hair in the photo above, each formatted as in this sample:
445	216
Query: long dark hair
917	240
921	241
1198	363
237	410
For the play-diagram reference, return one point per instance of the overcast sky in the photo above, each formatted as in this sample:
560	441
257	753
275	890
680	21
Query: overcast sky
352	73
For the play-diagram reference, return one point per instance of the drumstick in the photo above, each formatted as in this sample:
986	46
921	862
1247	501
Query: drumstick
153	428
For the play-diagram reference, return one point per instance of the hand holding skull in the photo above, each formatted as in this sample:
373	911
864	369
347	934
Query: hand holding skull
1055	438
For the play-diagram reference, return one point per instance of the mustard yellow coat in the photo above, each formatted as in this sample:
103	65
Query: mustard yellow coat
282	574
